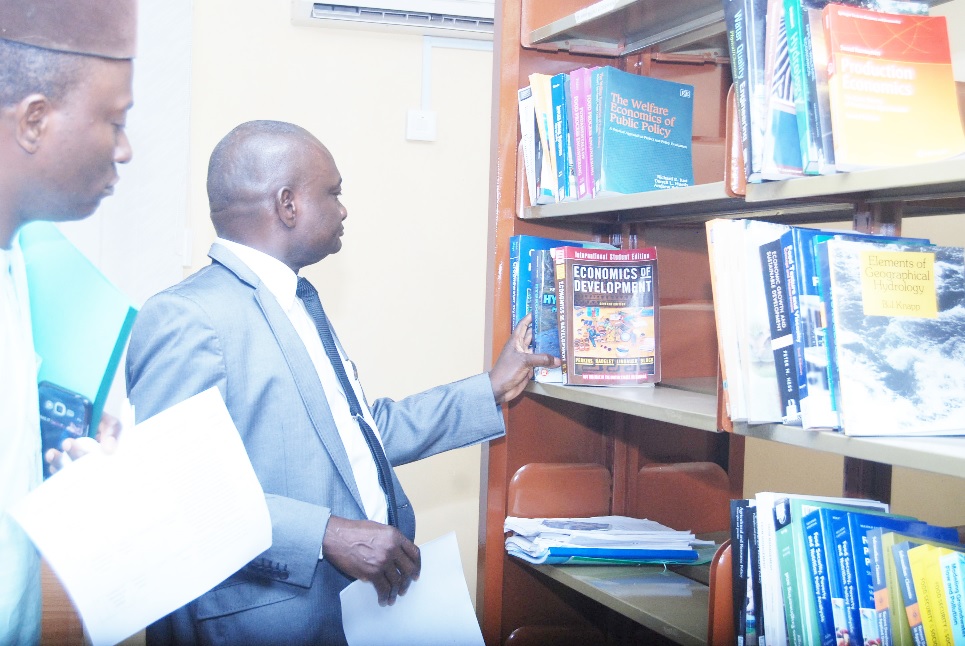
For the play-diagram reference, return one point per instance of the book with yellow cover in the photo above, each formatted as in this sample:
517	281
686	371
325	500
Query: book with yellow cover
892	91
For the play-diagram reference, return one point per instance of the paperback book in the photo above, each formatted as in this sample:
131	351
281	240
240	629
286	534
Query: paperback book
546	327
642	131
890	73
898	319
608	309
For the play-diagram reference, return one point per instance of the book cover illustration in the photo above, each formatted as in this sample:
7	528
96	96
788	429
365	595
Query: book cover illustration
890	73
80	320
608	309
898	316
643	129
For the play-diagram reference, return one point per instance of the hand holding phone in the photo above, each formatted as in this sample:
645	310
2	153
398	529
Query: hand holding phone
64	414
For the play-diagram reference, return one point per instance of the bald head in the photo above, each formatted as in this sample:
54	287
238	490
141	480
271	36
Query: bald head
273	186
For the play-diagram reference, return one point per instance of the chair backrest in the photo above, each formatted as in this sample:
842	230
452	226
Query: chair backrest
549	490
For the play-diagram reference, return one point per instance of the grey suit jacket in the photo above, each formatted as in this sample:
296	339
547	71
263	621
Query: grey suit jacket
221	327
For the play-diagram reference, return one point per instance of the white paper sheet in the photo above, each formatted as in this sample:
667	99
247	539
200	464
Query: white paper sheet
135	535
436	610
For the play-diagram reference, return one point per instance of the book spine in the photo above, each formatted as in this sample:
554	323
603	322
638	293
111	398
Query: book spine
599	78
576	104
782	337
879	580
816	46
844	551
527	125
791	271
754	619
734	19
814	536
952	565
587	100
739	553
908	592
926	575
802	80
514	243
546	335
782	147
563	309
787	566
558	97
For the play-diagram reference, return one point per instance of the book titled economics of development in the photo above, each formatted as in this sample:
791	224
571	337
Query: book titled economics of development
642	131
608	310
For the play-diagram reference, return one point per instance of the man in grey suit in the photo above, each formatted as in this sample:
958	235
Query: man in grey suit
248	325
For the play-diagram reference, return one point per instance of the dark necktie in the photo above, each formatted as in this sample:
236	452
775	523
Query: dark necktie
306	292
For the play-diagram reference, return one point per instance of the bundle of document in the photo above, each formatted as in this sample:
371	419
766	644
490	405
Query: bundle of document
600	539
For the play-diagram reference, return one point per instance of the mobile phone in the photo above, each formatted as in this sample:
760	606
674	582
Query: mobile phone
63	414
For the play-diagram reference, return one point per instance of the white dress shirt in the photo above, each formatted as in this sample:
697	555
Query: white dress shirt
282	283
20	460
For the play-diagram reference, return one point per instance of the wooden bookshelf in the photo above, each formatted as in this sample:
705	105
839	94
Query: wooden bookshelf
630	434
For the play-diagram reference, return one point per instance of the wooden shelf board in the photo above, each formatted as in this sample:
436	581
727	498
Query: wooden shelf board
666	404
663	601
941	455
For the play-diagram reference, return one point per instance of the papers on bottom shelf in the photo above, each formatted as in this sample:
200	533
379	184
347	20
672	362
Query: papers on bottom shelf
601	539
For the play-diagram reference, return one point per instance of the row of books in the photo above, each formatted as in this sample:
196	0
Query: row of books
597	131
595	307
818	83
834	571
839	330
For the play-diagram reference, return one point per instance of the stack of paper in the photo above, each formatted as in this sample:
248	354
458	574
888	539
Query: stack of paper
600	539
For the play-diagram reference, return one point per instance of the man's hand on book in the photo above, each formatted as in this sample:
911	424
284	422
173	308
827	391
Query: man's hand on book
514	366
108	430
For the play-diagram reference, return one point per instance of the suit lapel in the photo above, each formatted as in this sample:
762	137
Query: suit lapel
299	363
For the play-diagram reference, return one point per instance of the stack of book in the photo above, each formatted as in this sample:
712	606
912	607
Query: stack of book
595	307
599	131
818	82
842	571
839	330
601	539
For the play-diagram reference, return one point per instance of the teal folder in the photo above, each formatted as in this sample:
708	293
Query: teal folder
80	320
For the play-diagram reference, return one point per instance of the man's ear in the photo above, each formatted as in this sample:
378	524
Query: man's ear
32	114
285	206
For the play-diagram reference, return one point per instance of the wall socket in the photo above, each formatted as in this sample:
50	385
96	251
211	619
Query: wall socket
420	125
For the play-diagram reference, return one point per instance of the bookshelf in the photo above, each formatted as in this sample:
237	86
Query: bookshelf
638	438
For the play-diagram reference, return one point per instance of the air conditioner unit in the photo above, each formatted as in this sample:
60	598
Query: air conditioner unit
459	18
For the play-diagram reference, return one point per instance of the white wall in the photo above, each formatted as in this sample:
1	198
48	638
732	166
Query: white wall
407	290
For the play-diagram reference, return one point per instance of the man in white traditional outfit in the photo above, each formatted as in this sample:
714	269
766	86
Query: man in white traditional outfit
65	89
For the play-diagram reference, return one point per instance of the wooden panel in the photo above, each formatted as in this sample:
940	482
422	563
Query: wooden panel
556	635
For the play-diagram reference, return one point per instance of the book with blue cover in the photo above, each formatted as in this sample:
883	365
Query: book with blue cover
642	131
80	320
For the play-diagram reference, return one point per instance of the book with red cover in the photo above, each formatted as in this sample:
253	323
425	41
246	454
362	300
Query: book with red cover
892	92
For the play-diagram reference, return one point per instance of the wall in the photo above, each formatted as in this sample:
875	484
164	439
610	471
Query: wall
406	291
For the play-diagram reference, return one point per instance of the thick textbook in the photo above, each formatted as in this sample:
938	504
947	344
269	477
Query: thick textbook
642	131
609	311
80	320
890	73
898	337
